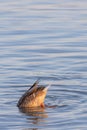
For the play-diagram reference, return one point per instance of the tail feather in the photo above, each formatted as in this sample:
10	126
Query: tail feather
47	87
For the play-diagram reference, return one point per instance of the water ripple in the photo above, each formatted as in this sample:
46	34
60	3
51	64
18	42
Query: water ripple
46	40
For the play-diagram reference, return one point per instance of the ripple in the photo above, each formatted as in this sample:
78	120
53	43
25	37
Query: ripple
46	40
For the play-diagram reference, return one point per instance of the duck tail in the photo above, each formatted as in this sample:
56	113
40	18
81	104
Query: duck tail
35	85
47	87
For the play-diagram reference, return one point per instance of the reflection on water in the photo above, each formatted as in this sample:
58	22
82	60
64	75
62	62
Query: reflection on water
31	129
34	115
36	112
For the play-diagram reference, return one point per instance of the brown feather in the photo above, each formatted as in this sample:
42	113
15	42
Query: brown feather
33	97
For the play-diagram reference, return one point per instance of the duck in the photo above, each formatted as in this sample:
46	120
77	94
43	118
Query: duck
34	96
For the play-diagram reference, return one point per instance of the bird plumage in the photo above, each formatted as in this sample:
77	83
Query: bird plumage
33	97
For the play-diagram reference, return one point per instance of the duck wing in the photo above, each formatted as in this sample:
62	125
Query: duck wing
28	93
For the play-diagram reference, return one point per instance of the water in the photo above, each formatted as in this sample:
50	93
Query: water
48	40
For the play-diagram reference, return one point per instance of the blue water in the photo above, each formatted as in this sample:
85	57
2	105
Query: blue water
44	39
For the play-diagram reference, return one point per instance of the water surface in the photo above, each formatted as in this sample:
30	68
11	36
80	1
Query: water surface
46	40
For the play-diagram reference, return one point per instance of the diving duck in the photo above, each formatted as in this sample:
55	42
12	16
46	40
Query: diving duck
33	97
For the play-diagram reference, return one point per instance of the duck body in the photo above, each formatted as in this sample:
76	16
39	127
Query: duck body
33	97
